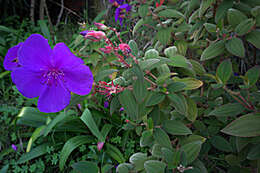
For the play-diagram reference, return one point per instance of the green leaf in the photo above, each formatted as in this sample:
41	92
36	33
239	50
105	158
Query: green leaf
220	143
106	129
154	166
204	5
102	74
224	71
31	117
182	46
170	51
164	35
213	50
253	37
139	87
180	61
3	74
56	120
192	150
244	126
179	103
235	17
192	110
170	13
190	83
176	87
36	134
236	47
151	53
82	166
4	169
124	168
155	99
6	29
115	153
210	27
134	48
254	153
138	160
156	151
241	143
176	128
244	27
252	75
146	138
71	145
143	10
128	101
44	29
222	10
162	138
35	152
86	117
227	110
138	25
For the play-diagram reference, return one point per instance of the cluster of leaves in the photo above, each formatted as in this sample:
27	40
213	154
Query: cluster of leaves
191	102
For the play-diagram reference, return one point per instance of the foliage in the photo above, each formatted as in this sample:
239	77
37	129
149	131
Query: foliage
183	96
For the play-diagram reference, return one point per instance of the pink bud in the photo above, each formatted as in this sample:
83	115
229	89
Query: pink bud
127	121
124	47
100	145
101	26
95	35
107	49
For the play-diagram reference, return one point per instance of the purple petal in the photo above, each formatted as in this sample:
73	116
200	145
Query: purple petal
100	145
63	57
121	21
14	147
83	33
28	81
106	104
35	52
54	98
117	13
78	80
11	59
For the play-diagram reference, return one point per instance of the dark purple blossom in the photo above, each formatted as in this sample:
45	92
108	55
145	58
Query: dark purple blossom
121	11
50	74
14	147
11	58
106	104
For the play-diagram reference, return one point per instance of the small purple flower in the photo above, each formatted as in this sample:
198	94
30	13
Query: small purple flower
120	12
14	147
121	109
106	104
11	58
50	74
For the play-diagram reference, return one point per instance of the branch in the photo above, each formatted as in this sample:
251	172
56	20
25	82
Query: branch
61	12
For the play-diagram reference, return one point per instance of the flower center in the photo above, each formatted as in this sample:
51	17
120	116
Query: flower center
52	76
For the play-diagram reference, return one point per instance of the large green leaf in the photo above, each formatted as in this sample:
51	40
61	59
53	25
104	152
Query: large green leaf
179	103
222	10
244	27
192	150
115	153
221	143
34	153
192	110
82	166
31	117
102	74
129	103
190	83
155	99
138	86
230	109
235	17
204	5
252	75
236	47
4	169
213	50
254	153
154	166
134	47
44	29
176	128
71	145
162	138
87	118
138	160
244	126
180	61
253	37
170	13
164	35
138	25
224	71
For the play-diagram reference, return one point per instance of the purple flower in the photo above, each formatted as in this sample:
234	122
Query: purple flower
50	74
14	147
117	1
120	12
121	109
106	104
11	59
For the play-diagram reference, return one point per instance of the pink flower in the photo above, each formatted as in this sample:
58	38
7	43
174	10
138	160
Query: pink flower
124	48
93	35
101	26
107	49
100	145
